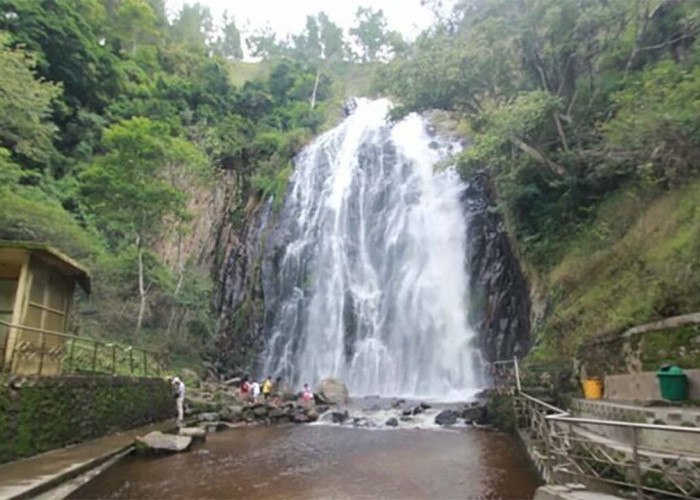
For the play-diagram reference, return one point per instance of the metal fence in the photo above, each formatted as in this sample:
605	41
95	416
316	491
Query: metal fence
37	351
569	448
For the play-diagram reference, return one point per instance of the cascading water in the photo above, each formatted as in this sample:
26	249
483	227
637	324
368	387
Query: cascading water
372	285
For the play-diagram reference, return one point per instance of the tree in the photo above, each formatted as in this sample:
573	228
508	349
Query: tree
331	38
228	44
307	45
193	26
130	191
134	23
25	105
263	43
370	32
67	45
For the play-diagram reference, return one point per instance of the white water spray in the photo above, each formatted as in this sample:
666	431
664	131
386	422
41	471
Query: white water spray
373	284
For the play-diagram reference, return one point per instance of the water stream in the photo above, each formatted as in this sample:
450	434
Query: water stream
372	284
323	461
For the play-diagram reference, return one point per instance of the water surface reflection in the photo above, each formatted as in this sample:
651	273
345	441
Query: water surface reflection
320	461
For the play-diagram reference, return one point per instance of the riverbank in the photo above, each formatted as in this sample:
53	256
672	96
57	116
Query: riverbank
32	476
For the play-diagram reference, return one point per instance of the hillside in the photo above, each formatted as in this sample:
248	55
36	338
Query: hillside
586	116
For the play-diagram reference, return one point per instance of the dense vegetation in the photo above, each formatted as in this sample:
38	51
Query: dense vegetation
110	117
587	113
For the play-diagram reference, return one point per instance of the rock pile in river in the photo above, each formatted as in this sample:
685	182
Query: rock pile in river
264	412
471	413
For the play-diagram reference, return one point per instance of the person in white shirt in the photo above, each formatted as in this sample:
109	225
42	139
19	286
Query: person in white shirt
179	398
255	390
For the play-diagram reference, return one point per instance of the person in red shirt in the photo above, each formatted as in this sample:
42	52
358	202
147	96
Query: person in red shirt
244	389
306	394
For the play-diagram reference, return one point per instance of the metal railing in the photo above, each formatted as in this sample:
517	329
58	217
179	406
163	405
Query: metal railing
36	351
570	447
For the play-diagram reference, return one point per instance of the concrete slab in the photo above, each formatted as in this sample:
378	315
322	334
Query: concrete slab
31	476
555	492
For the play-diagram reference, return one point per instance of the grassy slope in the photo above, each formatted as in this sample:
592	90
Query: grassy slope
637	262
241	71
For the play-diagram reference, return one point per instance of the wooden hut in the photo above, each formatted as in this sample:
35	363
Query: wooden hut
36	291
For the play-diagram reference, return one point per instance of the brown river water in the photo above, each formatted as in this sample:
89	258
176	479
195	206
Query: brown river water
327	461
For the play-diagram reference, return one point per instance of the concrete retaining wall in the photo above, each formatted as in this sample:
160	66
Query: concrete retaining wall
41	413
644	386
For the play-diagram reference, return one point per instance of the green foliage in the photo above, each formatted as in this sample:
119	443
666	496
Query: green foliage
113	116
39	219
564	100
586	113
634	263
25	105
500	412
371	34
228	44
130	189
657	122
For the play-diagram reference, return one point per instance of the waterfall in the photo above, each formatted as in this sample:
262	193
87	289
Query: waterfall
372	285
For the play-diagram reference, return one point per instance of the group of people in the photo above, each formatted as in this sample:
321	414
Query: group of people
250	390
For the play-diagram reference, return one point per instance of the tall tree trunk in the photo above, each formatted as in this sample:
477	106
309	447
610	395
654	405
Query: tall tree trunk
142	288
313	94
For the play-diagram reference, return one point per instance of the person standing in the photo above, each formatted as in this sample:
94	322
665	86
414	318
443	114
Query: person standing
306	395
255	390
179	398
245	389
267	387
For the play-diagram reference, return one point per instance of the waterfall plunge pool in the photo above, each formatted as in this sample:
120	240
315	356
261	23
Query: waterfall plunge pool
328	461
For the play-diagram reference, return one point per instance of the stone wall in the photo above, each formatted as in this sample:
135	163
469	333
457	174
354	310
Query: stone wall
643	348
41	413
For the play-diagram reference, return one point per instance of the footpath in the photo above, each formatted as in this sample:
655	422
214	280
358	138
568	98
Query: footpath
30	477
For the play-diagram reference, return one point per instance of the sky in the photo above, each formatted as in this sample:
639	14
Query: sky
289	16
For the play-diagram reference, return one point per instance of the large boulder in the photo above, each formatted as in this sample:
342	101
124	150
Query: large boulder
196	433
300	418
260	411
332	391
447	417
156	443
338	417
231	413
392	422
476	413
208	417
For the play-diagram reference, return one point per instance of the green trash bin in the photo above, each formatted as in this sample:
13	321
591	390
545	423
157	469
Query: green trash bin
673	383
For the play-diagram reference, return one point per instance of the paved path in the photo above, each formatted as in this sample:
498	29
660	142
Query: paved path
31	476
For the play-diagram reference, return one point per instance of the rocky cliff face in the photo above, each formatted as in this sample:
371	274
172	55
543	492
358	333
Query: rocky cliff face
252	247
500	302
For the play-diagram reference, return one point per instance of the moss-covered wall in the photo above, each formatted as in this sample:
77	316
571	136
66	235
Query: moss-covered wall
41	413
641	352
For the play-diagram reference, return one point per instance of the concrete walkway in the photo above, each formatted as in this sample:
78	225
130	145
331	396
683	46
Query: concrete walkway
34	475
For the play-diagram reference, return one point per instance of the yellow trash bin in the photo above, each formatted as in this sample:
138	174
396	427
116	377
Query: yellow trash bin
593	388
